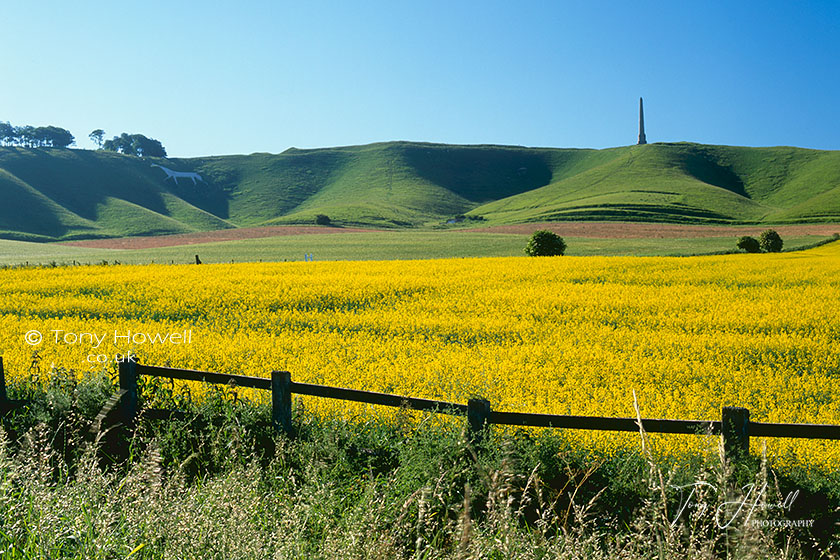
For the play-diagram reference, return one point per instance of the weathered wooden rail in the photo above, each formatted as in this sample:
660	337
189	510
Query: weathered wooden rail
735	425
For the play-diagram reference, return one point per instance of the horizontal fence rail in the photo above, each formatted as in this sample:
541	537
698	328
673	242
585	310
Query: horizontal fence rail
602	423
370	397
734	426
807	431
205	376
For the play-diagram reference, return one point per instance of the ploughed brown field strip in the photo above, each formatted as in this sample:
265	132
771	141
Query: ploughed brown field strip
605	230
623	230
151	242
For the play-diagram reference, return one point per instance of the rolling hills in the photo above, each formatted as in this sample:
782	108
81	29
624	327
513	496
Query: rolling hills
59	194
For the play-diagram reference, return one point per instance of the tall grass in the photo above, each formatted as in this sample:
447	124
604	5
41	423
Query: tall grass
218	483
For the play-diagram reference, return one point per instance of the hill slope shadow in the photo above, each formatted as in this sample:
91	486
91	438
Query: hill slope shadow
479	173
707	167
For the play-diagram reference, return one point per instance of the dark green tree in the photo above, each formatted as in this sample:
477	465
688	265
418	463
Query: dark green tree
123	144
25	136
120	144
62	138
41	137
544	243
135	145
147	147
322	220
98	137
770	241
7	133
52	137
35	137
749	244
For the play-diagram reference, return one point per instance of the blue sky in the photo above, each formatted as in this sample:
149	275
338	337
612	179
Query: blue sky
210	78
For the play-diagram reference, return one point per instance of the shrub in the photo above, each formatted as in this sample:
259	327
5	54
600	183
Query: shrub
770	241
322	220
749	244
544	243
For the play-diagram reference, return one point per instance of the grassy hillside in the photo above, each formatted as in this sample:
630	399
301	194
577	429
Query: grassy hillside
65	194
686	183
57	194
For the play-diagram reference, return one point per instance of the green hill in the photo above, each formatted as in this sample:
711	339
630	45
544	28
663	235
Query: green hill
59	194
687	183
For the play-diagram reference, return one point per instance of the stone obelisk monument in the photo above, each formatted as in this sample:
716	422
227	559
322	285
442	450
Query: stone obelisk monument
642	139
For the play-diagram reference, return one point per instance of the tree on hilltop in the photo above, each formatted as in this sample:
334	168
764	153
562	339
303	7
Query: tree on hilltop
120	144
25	136
35	137
135	145
7	133
53	136
98	137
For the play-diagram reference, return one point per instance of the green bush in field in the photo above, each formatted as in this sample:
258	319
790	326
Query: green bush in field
770	241
749	244
322	220
544	243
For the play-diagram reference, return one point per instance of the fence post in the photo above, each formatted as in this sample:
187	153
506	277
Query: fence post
3	396
735	422
128	383
478	412
281	402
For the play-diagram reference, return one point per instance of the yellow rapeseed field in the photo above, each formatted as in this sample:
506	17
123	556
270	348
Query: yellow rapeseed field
556	335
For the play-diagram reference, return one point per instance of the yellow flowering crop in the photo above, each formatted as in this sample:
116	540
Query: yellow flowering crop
568	335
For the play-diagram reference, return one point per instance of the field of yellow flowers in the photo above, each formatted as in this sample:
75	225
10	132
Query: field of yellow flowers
557	335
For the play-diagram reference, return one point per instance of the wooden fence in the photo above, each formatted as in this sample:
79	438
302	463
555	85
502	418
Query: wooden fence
735	425
6	404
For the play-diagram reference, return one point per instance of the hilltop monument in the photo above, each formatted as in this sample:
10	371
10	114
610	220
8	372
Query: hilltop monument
642	139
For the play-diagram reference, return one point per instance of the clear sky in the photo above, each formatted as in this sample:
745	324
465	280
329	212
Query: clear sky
210	78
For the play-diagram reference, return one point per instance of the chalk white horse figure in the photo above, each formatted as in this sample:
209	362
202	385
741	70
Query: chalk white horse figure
183	174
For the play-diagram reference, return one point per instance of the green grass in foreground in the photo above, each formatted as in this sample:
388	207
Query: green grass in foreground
368	246
219	483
